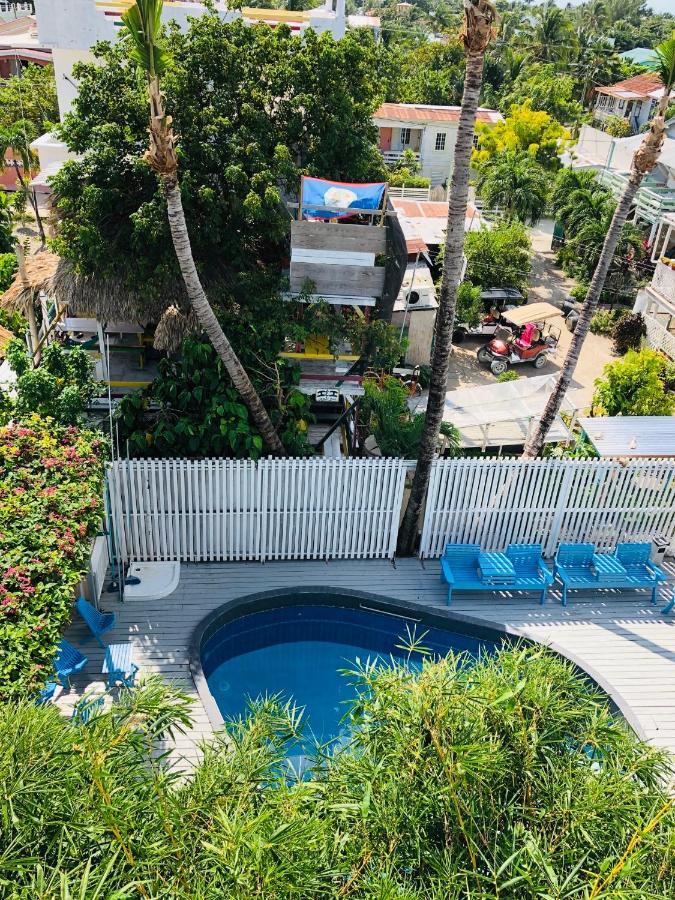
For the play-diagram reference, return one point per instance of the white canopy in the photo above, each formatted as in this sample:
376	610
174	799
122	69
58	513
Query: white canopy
497	415
632	436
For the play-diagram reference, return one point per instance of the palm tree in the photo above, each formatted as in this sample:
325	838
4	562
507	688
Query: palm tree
479	21
515	184
644	160
143	22
550	32
16	138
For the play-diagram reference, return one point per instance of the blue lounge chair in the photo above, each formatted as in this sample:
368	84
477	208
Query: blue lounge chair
68	661
532	573
642	572
97	622
460	568
574	567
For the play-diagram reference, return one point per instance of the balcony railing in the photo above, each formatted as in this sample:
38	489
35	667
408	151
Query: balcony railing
393	156
651	204
664	281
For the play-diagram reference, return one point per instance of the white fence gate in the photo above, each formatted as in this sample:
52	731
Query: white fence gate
494	502
225	509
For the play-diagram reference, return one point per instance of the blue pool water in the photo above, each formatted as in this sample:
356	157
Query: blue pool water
298	651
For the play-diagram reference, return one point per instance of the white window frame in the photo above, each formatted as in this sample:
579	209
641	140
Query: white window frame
440	139
405	137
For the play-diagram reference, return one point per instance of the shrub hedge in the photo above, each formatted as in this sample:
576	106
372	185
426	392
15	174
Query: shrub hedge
51	500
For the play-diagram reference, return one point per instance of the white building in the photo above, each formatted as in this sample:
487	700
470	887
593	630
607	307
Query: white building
611	158
71	27
633	99
429	131
657	300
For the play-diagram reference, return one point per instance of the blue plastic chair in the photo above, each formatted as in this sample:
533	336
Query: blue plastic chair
68	661
641	571
532	573
97	622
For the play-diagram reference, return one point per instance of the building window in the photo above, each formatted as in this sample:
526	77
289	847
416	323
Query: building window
622	103
440	140
405	136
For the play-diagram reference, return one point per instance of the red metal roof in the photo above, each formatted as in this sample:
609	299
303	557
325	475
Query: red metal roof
412	112
640	85
425	209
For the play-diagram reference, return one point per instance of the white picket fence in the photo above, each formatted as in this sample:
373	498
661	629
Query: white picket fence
225	509
494	502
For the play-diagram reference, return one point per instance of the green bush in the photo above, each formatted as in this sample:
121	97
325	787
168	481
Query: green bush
617	126
509	375
385	414
639	384
510	778
603	321
8	267
469	304
628	332
51	488
406	177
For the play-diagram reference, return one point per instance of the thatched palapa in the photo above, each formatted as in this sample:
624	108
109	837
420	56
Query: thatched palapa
34	276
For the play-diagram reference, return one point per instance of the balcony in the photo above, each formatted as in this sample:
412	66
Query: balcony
663	282
391	157
652	201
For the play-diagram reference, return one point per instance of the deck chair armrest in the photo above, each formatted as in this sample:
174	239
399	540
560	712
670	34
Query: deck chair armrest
656	571
447	571
544	570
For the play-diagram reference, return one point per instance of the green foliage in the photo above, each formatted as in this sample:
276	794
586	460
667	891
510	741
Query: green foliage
603	321
523	131
516	185
279	100
398	432
628	332
548	90
639	384
539	788
405	177
8	267
377	342
31	97
469	304
580	448
509	375
617	126
192	409
60	388
430	73
499	256
6	236
51	488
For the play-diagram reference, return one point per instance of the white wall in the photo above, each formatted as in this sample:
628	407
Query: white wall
436	164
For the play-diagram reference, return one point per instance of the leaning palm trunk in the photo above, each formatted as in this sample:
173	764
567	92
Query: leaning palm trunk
162	157
479	16
644	160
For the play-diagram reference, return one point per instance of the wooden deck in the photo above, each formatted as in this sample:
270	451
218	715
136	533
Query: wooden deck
625	642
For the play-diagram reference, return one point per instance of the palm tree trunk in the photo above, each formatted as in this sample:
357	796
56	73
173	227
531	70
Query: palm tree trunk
32	199
207	318
644	160
445	317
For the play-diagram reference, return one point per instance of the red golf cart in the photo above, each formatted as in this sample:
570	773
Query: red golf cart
528	338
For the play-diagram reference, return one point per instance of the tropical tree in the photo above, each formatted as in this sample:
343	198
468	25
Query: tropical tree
16	138
524	130
644	160
143	22
550	32
479	22
516	185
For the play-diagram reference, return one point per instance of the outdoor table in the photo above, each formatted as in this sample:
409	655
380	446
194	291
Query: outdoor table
118	665
607	568
495	568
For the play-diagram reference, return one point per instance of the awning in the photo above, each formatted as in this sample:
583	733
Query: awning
503	414
631	436
532	312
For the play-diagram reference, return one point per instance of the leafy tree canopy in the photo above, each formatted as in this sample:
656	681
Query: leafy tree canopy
499	256
508	778
548	90
515	184
524	130
30	96
642	383
249	104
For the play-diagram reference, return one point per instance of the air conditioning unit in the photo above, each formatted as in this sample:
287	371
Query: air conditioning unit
417	289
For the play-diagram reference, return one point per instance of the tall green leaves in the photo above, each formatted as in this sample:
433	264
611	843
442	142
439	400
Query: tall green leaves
144	23
665	63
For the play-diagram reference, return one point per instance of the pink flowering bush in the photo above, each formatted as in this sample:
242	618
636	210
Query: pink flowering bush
51	503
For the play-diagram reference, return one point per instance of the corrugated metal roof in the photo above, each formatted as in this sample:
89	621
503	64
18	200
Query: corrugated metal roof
631	436
417	112
638	87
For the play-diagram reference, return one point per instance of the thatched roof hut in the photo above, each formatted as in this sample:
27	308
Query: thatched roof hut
106	299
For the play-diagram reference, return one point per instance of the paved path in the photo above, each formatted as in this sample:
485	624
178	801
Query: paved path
629	644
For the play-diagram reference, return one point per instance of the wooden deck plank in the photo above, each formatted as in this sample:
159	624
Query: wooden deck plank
620	636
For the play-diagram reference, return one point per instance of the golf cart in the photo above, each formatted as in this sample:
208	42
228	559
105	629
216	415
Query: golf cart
495	302
527	338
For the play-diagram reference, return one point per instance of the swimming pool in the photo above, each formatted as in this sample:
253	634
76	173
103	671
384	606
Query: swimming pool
298	644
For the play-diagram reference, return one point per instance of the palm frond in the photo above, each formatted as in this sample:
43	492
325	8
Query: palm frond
664	63
144	24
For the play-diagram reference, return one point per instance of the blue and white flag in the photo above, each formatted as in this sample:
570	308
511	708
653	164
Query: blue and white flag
343	198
